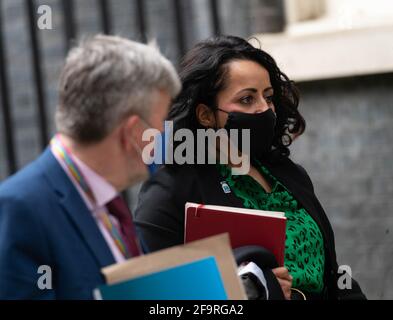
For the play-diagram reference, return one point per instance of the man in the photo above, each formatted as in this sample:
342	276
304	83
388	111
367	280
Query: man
61	217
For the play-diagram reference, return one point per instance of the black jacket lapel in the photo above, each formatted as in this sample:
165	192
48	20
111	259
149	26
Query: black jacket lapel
213	193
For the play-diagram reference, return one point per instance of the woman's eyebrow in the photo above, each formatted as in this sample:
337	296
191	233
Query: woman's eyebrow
255	90
267	89
248	89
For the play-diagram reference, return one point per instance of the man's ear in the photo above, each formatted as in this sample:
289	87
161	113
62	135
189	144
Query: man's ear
131	132
205	116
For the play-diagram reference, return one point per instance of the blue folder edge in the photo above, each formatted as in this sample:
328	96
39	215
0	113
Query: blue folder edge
197	280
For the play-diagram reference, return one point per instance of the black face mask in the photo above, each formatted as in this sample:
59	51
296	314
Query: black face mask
261	127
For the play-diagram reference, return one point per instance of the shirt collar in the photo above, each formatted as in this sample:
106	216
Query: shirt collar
103	191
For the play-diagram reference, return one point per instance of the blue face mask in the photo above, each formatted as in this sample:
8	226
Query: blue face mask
159	152
153	168
155	165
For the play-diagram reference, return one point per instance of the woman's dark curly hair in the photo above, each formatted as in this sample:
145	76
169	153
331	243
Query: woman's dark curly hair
203	72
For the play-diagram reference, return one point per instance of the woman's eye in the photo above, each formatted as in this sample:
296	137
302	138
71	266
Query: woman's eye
247	100
269	99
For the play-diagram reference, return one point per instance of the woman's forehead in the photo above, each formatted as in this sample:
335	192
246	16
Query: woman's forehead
247	73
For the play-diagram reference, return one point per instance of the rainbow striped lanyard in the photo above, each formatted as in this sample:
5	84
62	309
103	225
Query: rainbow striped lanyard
61	151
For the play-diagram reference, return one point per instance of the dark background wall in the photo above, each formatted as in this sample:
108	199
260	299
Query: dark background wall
347	150
239	18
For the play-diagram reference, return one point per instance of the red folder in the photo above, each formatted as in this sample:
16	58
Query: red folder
245	226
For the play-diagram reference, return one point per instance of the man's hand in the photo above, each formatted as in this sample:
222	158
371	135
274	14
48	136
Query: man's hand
285	280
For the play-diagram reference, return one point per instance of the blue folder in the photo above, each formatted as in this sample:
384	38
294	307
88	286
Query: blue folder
198	280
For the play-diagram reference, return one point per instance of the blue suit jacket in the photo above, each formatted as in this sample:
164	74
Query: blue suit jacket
44	221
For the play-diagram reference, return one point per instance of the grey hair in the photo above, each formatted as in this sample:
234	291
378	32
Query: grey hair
107	78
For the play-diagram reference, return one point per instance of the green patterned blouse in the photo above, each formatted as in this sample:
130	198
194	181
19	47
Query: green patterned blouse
304	248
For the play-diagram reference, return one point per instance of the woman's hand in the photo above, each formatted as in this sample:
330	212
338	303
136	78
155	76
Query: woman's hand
285	280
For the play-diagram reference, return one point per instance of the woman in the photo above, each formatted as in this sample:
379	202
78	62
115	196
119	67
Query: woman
227	83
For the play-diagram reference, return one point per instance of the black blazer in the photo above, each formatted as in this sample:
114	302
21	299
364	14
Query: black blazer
160	211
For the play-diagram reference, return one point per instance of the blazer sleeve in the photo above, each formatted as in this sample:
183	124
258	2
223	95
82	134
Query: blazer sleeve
23	249
159	216
306	177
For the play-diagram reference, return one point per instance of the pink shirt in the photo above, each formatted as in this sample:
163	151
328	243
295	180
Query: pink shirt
103	192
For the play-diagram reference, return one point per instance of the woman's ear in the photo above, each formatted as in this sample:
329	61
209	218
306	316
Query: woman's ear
205	116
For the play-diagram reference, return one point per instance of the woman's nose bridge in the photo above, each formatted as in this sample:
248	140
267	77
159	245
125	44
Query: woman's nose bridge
262	105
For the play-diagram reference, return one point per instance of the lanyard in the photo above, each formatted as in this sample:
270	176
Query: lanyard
63	153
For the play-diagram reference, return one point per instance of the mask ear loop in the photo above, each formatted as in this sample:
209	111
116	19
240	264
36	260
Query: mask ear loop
215	121
136	147
215	117
231	144
215	127
228	140
135	144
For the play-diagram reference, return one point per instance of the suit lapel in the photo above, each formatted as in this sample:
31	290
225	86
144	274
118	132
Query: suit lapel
213	193
286	173
76	209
